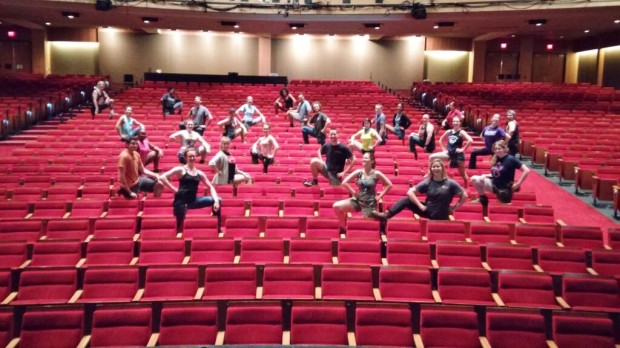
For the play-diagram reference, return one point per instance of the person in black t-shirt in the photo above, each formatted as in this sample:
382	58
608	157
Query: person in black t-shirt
439	192
337	155
501	181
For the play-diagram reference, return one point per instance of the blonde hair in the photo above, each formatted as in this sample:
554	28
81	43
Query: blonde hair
444	175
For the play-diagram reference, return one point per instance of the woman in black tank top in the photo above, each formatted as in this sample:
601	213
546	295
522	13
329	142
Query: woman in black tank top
186	195
457	143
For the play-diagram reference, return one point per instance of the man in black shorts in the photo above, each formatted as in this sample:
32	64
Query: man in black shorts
337	155
131	173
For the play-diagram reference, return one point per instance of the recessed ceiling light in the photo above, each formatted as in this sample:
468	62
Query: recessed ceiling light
375	26
70	15
435	26
148	20
513	35
617	21
586	31
48	23
561	37
537	22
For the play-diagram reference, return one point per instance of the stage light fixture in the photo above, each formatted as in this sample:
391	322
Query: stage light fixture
375	26
418	11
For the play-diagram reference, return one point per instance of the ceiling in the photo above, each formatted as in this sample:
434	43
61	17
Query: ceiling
479	20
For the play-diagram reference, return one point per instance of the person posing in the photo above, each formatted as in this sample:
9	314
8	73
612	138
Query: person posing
439	191
320	122
264	149
171	102
400	122
379	121
233	126
186	194
369	138
225	167
189	138
131	173
452	113
303	109
149	153
502	177
456	149
285	102
490	134
338	161
248	110
425	137
101	100
365	198
126	125
512	128
201	116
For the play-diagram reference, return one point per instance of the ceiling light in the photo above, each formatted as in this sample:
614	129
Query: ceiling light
236	26
503	45
375	26
435	26
48	23
148	20
617	21
537	22
513	35
70	15
561	37
586	31
549	47
296	26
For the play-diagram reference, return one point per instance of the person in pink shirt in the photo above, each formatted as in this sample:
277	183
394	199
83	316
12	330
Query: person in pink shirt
149	153
264	149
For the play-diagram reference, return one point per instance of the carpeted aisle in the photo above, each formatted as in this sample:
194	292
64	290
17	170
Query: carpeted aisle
567	207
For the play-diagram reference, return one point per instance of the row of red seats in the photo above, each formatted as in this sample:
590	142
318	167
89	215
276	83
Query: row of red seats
452	286
303	323
205	250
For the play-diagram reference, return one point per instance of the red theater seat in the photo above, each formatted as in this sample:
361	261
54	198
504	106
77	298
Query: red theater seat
262	250
13	254
58	328
465	286
322	228
510	329
127	326
161	251
282	227
114	228
405	284
347	283
410	253
526	289
56	253
507	256
591	293
383	326
452	254
170	283
444	230
113	284
319	323
359	252
104	252
212	251
288	282
562	260
441	327
68	229
188	324
241	227
313	251
577	331
253	324
45	286
236	282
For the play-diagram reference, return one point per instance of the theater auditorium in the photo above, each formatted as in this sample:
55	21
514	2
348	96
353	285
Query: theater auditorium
317	173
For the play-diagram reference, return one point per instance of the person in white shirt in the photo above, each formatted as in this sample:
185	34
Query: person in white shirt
264	149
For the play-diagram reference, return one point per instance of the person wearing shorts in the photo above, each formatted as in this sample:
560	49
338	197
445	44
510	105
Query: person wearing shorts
233	126
425	137
501	181
101	100
366	197
338	161
132	176
188	138
248	110
458	141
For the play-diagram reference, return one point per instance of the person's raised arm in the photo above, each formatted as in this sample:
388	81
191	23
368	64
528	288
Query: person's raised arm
411	195
387	184
359	132
461	201
275	146
430	134
222	123
213	164
119	125
525	172
165	178
443	136
328	121
468	141
345	182
174	136
204	143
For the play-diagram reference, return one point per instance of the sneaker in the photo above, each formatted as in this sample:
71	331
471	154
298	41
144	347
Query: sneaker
309	183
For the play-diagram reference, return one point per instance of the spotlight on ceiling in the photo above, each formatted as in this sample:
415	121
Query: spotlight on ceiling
537	22
375	26
70	15
296	26
103	5
418	11
148	20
